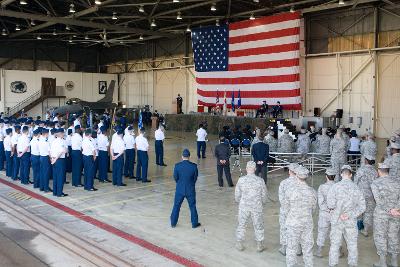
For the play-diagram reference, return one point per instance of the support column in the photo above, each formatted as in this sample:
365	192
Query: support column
376	72
34	60
126	59
68	59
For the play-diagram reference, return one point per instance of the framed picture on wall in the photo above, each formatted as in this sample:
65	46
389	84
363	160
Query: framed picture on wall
102	87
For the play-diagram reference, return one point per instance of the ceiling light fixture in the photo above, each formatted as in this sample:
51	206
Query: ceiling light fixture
188	29
86	37
213	7
71	8
153	23
114	16
70	40
179	16
175	1
4	32
141	9
23	2
38	37
141	37
97	2
341	2
256	1
292	9
67	27
217	22
54	32
33	23
17	28
252	17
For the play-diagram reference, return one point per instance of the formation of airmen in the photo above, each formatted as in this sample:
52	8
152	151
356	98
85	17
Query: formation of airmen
52	150
367	201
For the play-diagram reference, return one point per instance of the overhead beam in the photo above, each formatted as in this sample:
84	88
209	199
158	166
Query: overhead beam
351	4
5	3
75	22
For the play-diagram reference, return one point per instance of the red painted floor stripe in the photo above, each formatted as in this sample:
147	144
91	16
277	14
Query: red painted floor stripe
111	229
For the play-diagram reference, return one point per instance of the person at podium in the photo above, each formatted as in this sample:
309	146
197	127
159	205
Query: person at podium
262	110
277	109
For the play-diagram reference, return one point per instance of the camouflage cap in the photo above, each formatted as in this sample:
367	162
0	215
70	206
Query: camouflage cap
302	172
293	166
346	167
395	145
330	171
383	165
370	157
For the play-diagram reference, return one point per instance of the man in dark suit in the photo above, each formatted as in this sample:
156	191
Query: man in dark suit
260	153
185	174
223	153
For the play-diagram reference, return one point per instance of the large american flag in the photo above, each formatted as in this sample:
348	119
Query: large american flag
258	57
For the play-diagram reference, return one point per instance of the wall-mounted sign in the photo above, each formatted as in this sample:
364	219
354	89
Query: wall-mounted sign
69	85
18	87
102	87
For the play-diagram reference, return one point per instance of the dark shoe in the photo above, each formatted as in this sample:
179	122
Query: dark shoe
196	225
93	189
79	185
64	195
147	181
30	182
164	165
66	182
132	177
101	181
232	185
204	157
138	180
173	226
123	185
108	180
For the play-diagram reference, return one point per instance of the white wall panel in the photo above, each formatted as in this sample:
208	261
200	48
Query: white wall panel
388	94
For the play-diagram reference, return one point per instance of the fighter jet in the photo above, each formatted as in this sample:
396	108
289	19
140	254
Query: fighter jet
76	105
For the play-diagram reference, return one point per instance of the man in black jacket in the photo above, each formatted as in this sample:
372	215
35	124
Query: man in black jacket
223	153
260	153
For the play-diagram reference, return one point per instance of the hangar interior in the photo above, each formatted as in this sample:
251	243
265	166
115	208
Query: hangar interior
349	60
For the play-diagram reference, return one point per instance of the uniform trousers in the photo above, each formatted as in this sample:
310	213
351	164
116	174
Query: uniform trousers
9	164
258	224
103	162
142	165
2	155
349	231
201	146
261	170
191	199
58	177
159	147
96	167
88	172
302	235
68	166
117	168
45	170
35	163
324	225
76	167
16	162
220	170
129	162
25	161
386	234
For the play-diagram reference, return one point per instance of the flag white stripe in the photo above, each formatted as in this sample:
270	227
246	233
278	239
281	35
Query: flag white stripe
265	28
250	87
264	58
250	73
265	43
257	101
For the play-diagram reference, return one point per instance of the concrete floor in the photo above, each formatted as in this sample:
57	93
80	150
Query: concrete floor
144	209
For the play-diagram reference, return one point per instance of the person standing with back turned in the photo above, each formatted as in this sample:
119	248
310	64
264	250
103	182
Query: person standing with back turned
201	141
185	175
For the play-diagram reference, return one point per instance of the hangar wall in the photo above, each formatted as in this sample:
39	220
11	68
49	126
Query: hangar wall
85	86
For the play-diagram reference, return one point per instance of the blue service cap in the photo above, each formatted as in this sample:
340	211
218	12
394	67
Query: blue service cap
44	130
142	129
25	128
103	129
120	131
96	127
17	126
69	131
60	130
8	130
94	134
1	121
37	122
130	128
88	131
186	153
77	127
53	130
37	131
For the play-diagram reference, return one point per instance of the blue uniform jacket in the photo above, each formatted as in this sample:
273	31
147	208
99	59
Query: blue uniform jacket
185	174
260	152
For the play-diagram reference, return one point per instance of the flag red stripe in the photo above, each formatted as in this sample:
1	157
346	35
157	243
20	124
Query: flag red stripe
265	50
285	107
254	94
264	35
265	65
265	20
249	80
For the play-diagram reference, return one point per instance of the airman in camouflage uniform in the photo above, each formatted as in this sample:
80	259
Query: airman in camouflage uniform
271	141
323	143
386	191
303	143
345	136
394	161
364	177
284	186
368	147
301	203
324	218
346	202
338	150
251	194
285	143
